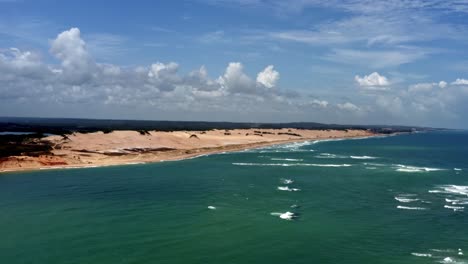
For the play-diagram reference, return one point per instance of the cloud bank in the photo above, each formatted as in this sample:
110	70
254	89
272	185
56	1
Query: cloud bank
31	85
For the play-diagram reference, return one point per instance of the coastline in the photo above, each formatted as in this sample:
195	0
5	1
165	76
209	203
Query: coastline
24	163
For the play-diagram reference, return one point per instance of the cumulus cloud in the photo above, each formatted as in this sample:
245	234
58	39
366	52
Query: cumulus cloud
268	77
164	76
348	107
320	103
71	50
372	81
78	78
426	87
442	84
460	82
235	80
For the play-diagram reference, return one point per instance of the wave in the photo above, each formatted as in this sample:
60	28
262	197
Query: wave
451	189
405	200
374	164
363	157
287	181
448	260
330	156
285	216
405	168
286	188
286	159
455	208
457	201
411	208
442	250
212	207
427	255
457	169
290	164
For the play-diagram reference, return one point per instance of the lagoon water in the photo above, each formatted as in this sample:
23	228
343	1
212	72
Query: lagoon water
399	199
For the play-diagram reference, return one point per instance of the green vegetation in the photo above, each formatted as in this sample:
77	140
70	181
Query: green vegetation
15	145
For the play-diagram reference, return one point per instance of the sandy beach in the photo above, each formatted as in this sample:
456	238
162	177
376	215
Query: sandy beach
131	147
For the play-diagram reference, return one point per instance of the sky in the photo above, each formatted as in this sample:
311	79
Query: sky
394	62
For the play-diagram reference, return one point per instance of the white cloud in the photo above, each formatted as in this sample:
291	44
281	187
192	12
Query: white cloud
214	37
426	87
391	104
421	87
348	107
377	58
372	81
460	82
320	103
442	84
77	80
268	77
71	50
235	80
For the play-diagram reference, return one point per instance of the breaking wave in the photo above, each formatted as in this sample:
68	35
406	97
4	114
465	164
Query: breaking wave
287	181
290	164
405	199
286	159
411	208
363	157
286	188
427	255
454	208
285	216
405	168
451	189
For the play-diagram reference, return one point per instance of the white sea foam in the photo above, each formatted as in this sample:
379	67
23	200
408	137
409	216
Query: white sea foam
287	181
448	260
405	168
405	200
286	159
363	157
374	164
371	168
457	169
411	208
285	216
442	250
212	207
427	255
286	188
454	208
330	156
451	189
460	201
291	164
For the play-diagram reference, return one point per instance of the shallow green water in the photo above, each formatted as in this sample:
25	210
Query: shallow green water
159	213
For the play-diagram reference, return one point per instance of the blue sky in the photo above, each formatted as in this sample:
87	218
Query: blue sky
355	61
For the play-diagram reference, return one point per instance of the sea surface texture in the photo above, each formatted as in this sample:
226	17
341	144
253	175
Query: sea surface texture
398	199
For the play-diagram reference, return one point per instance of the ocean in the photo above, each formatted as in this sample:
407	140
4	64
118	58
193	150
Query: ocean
396	199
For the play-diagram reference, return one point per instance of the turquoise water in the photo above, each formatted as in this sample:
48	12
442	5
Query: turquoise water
385	204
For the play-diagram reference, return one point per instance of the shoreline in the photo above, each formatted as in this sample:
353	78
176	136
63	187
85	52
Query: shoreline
184	154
